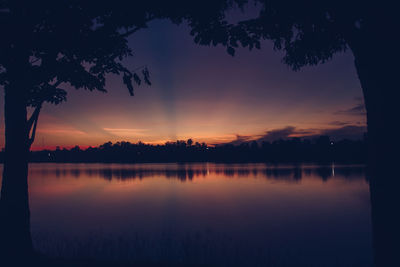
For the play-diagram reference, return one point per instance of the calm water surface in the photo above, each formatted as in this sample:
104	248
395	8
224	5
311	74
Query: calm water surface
211	214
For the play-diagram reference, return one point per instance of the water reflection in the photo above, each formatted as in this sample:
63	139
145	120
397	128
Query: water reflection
184	172
207	214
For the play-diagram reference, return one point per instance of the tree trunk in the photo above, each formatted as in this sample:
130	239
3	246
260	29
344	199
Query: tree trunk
15	242
378	79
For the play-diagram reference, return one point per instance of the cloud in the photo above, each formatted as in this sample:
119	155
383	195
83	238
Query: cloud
357	110
346	132
60	131
240	139
126	131
272	135
340	123
277	134
284	133
347	123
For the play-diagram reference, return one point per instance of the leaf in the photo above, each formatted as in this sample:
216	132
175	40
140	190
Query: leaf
136	79
146	76
230	50
127	79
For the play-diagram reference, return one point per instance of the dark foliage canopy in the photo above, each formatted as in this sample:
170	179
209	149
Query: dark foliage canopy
310	32
50	43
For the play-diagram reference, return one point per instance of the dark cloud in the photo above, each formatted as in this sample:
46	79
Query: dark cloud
240	139
277	134
269	136
358	109
283	133
347	123
272	135
339	123
346	132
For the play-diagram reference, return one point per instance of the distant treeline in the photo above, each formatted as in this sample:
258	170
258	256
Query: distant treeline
320	149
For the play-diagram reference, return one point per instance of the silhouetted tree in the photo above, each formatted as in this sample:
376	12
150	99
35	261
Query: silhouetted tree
310	32
289	151
190	142
48	46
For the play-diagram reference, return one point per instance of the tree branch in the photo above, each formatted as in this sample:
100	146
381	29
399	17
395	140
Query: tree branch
56	84
34	60
32	121
33	117
32	138
126	34
32	124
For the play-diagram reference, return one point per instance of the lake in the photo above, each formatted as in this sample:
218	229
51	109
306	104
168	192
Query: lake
203	213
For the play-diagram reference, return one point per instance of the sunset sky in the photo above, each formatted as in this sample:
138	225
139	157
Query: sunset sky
203	93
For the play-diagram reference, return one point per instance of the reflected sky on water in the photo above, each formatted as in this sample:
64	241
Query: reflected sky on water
212	214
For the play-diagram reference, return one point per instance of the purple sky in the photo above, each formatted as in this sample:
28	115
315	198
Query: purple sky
203	93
